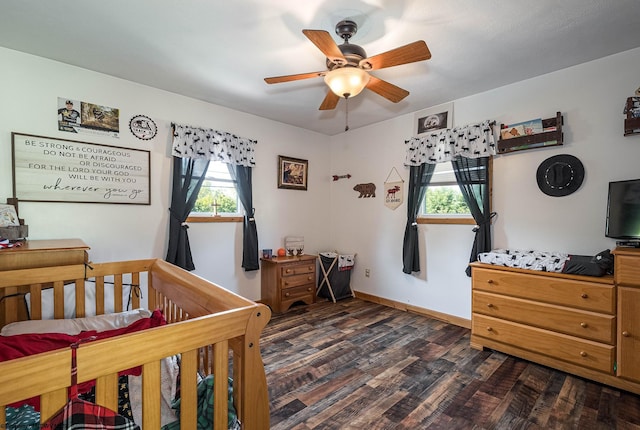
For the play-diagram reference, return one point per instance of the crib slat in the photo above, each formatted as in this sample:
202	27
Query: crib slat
36	301
52	402
117	292
9	309
188	390
107	391
99	295
80	309
58	300
151	395
220	386
135	297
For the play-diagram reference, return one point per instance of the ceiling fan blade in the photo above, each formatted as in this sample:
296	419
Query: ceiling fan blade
330	101
386	89
416	51
289	78
325	43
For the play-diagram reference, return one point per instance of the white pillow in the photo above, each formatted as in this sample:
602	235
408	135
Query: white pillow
98	323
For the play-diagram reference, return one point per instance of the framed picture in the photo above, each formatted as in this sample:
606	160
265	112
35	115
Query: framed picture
432	119
292	173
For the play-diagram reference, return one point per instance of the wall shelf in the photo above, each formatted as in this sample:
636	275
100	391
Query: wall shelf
537	140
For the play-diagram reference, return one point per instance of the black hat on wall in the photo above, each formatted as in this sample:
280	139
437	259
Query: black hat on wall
560	175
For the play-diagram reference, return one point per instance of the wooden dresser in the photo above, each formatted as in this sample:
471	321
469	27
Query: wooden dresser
44	253
588	326
286	280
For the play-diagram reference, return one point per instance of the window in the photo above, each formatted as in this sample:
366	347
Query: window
443	202
218	198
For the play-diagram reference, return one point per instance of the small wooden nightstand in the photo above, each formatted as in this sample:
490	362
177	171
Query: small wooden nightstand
286	280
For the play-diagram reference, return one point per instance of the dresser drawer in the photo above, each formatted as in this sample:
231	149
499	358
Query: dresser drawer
627	270
582	352
297	269
297	280
299	292
592	296
584	324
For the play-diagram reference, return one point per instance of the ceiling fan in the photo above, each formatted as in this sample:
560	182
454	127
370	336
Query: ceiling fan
348	66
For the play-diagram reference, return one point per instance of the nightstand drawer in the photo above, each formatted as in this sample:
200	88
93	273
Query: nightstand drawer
296	293
297	269
294	281
589	325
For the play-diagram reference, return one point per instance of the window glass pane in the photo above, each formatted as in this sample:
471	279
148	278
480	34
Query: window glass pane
443	195
444	200
218	192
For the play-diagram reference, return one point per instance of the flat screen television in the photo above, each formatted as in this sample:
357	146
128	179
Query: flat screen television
623	210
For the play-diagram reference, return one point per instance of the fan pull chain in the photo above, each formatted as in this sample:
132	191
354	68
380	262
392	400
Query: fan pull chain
346	119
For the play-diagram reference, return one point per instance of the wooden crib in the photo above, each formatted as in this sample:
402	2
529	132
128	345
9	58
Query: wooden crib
211	328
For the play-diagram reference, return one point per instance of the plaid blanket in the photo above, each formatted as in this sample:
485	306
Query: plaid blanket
79	414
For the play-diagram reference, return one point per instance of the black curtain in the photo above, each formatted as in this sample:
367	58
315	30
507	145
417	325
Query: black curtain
242	176
419	177
472	175
188	175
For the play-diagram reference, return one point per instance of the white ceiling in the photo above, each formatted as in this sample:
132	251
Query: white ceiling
220	51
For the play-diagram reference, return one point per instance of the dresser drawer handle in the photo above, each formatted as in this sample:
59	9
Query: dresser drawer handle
287	294
625	333
309	289
489	328
489	305
309	278
583	354
490	281
585	296
310	268
584	325
288	271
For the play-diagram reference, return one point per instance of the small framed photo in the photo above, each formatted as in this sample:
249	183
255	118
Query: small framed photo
433	119
292	173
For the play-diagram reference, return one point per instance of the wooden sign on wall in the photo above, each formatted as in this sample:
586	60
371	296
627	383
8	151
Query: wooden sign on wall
46	169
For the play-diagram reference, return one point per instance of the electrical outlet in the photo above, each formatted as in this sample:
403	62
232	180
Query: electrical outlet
367	272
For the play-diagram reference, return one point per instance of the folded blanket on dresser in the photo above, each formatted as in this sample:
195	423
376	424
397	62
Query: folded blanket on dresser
598	265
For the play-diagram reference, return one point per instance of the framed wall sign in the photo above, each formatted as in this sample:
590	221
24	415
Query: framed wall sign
46	169
292	173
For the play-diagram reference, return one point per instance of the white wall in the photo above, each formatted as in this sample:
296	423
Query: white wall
30	87
329	215
591	98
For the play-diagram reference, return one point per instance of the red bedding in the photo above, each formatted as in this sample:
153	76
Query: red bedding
23	345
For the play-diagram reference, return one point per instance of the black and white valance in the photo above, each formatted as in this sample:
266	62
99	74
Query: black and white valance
470	141
215	145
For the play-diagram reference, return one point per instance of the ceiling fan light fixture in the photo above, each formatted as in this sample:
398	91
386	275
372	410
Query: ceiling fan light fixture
347	81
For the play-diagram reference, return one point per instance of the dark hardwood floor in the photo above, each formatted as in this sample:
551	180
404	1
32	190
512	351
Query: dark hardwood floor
360	365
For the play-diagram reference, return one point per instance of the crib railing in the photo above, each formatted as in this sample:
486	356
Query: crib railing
207	325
